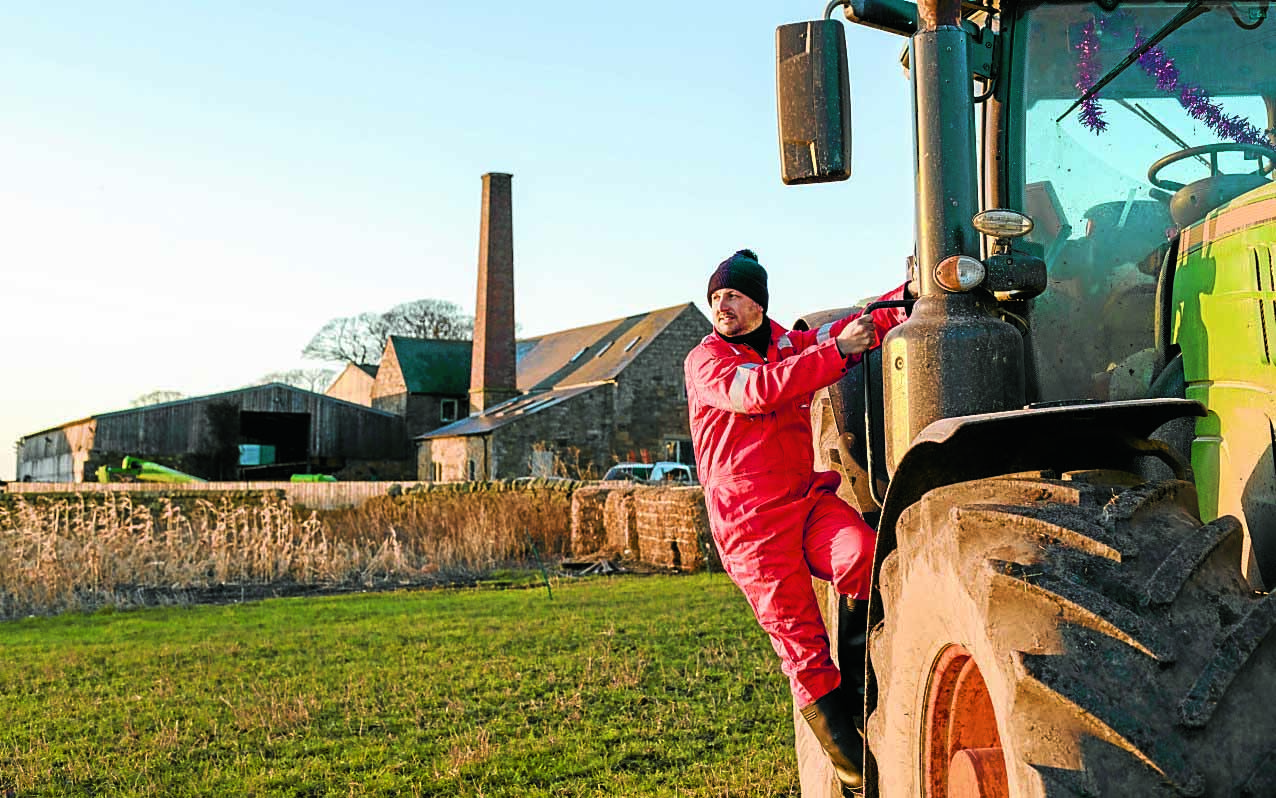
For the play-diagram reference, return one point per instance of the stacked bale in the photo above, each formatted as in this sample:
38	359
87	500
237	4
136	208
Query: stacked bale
620	521
588	530
673	528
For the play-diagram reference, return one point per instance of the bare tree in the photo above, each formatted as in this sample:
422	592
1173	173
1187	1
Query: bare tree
156	397
431	318
316	380
356	339
361	338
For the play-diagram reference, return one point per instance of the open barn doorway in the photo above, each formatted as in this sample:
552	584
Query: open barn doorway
273	445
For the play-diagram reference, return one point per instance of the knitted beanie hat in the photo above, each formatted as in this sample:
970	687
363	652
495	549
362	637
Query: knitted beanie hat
743	273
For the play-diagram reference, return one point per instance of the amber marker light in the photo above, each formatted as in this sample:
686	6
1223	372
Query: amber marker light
959	273
1002	223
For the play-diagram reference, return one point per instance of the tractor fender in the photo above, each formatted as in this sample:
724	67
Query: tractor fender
1059	438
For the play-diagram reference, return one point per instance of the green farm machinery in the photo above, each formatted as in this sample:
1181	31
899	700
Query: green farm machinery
1067	449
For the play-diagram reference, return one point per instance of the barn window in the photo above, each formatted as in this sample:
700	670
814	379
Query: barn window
447	410
633	343
606	346
473	470
576	356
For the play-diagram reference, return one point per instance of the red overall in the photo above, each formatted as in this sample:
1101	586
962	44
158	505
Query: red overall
775	519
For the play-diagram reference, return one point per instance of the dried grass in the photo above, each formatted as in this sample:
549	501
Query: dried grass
83	552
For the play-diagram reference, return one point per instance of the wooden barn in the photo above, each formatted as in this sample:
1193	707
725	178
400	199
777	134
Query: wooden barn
261	433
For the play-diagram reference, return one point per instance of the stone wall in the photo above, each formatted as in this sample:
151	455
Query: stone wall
423	412
450	459
352	385
651	400
577	431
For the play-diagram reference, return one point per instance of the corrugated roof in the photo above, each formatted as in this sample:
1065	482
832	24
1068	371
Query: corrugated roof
509	411
433	366
555	367
589	354
248	389
212	397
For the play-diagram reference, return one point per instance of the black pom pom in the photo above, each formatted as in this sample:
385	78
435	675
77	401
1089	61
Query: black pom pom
747	253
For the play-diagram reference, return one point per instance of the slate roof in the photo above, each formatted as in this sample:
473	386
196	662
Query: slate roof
555	367
509	411
589	354
433	366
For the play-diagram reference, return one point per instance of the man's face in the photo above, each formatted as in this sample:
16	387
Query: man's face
734	313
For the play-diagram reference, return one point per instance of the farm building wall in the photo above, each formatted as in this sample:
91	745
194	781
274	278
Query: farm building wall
640	415
574	435
450	459
573	438
353	385
422	412
201	436
651	400
56	455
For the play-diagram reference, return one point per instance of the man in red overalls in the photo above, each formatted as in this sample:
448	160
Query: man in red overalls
778	522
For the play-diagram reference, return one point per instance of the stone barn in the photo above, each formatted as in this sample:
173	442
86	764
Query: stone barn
260	433
426	381
586	398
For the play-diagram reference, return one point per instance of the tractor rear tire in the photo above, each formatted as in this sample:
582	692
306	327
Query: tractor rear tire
1081	636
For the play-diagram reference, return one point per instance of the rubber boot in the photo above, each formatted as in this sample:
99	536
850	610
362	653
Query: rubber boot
833	720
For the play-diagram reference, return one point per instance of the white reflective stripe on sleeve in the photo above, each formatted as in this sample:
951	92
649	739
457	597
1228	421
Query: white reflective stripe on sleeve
783	342
823	334
737	385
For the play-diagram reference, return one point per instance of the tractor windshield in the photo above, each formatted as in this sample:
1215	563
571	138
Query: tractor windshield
1178	76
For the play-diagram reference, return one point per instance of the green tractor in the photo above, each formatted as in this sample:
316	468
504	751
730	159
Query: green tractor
1067	449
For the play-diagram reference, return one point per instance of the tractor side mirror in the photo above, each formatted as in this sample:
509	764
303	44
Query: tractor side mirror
813	99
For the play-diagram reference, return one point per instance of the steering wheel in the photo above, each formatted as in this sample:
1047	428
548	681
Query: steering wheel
1262	151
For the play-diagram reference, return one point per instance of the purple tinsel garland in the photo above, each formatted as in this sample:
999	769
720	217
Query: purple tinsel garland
1194	98
1087	66
1161	67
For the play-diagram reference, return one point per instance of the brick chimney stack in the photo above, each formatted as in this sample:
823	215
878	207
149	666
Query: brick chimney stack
493	375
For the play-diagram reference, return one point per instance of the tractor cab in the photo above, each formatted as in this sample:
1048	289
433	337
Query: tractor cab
1180	126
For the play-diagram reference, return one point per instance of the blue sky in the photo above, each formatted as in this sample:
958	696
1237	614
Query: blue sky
191	190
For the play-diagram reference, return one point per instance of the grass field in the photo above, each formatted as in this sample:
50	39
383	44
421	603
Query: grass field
628	686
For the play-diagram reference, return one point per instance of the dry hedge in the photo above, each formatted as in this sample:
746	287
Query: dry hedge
80	551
